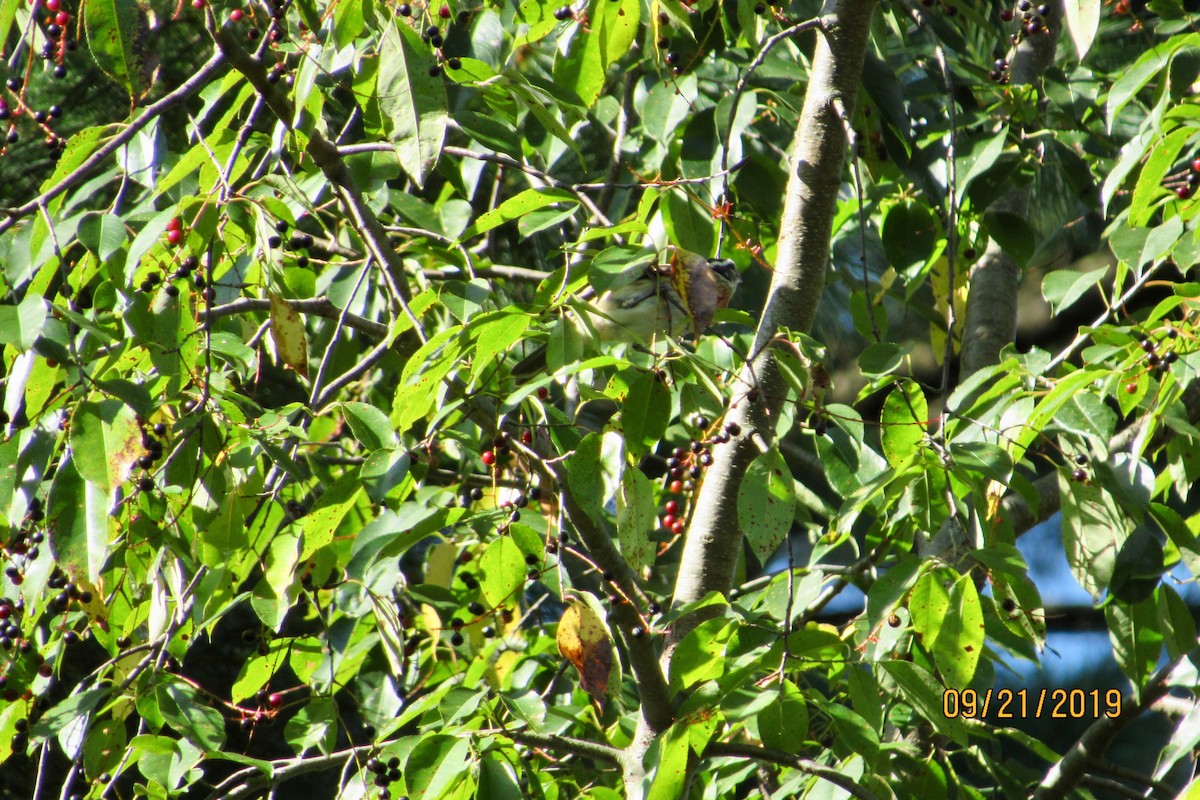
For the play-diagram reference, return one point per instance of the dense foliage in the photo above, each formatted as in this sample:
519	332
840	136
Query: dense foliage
281	511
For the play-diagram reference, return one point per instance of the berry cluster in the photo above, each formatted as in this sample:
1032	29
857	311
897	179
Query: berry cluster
1032	20
1184	183
24	548
1079	474
386	773
434	36
685	466
268	704
153	452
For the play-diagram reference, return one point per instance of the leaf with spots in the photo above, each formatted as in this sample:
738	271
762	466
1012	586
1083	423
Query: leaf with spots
116	32
583	639
287	331
766	504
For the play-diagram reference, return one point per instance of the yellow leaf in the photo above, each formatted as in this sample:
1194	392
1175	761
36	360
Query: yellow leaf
583	640
287	331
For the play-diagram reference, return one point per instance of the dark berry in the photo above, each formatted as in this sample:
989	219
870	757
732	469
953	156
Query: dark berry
562	13
56	111
454	63
760	8
456	639
404	10
60	72
436	40
145	484
1081	459
637	632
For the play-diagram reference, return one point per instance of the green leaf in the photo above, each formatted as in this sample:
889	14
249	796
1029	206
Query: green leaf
106	441
1013	233
412	99
370	425
323	521
925	694
278	589
905	415
887	592
910	232
766	503
435	764
783	725
102	234
592	472
981	159
116	32
1083	20
671	772
959	640
700	656
183	710
514	208
881	358
645	413
1063	288
314	725
1136	637
1093	530
636	519
22	324
614	25
77	518
503	566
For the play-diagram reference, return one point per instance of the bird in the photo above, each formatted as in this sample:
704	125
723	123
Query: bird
669	299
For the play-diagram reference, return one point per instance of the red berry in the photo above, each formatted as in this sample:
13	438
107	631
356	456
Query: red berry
444	12
275	700
671	507
175	224
236	15
53	5
488	457
543	393
45	670
1196	165
676	487
1122	7
1130	388
1183	192
174	236
677	528
197	3
526	437
62	18
668	520
1006	15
